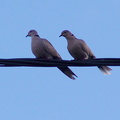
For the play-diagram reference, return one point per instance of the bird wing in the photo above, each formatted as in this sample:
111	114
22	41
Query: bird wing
50	49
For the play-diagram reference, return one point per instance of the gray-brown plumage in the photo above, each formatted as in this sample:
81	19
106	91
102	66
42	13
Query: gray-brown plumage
43	49
79	50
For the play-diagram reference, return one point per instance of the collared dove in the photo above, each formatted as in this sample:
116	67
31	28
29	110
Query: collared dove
79	50
43	49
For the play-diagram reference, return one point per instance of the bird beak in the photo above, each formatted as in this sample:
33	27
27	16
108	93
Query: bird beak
60	35
27	35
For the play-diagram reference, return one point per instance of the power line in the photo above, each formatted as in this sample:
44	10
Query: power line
31	62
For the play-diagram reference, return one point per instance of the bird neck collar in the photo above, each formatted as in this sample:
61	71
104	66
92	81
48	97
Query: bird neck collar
36	35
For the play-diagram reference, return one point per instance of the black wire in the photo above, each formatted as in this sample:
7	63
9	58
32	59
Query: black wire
30	62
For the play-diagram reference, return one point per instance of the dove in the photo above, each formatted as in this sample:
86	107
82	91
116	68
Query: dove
79	50
43	49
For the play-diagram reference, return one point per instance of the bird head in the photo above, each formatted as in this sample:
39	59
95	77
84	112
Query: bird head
32	33
66	33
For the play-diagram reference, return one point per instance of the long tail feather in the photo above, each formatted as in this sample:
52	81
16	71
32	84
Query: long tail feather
68	72
105	69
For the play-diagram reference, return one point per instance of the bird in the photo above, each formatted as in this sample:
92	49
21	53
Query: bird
79	50
43	49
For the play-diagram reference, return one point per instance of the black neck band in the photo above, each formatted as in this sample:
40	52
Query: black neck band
37	35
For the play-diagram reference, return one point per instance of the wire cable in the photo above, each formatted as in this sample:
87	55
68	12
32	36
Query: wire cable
31	62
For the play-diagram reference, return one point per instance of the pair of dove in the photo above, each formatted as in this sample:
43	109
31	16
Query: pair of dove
79	50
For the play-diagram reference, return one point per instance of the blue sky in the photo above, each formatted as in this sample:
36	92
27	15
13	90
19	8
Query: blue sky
29	93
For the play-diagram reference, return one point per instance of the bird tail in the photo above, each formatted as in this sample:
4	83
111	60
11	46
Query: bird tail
105	69
68	72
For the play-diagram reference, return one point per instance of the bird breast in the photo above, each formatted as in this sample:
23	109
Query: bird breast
37	49
76	51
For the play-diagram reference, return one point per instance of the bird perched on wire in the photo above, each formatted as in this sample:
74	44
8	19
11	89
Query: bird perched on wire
43	49
79	50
